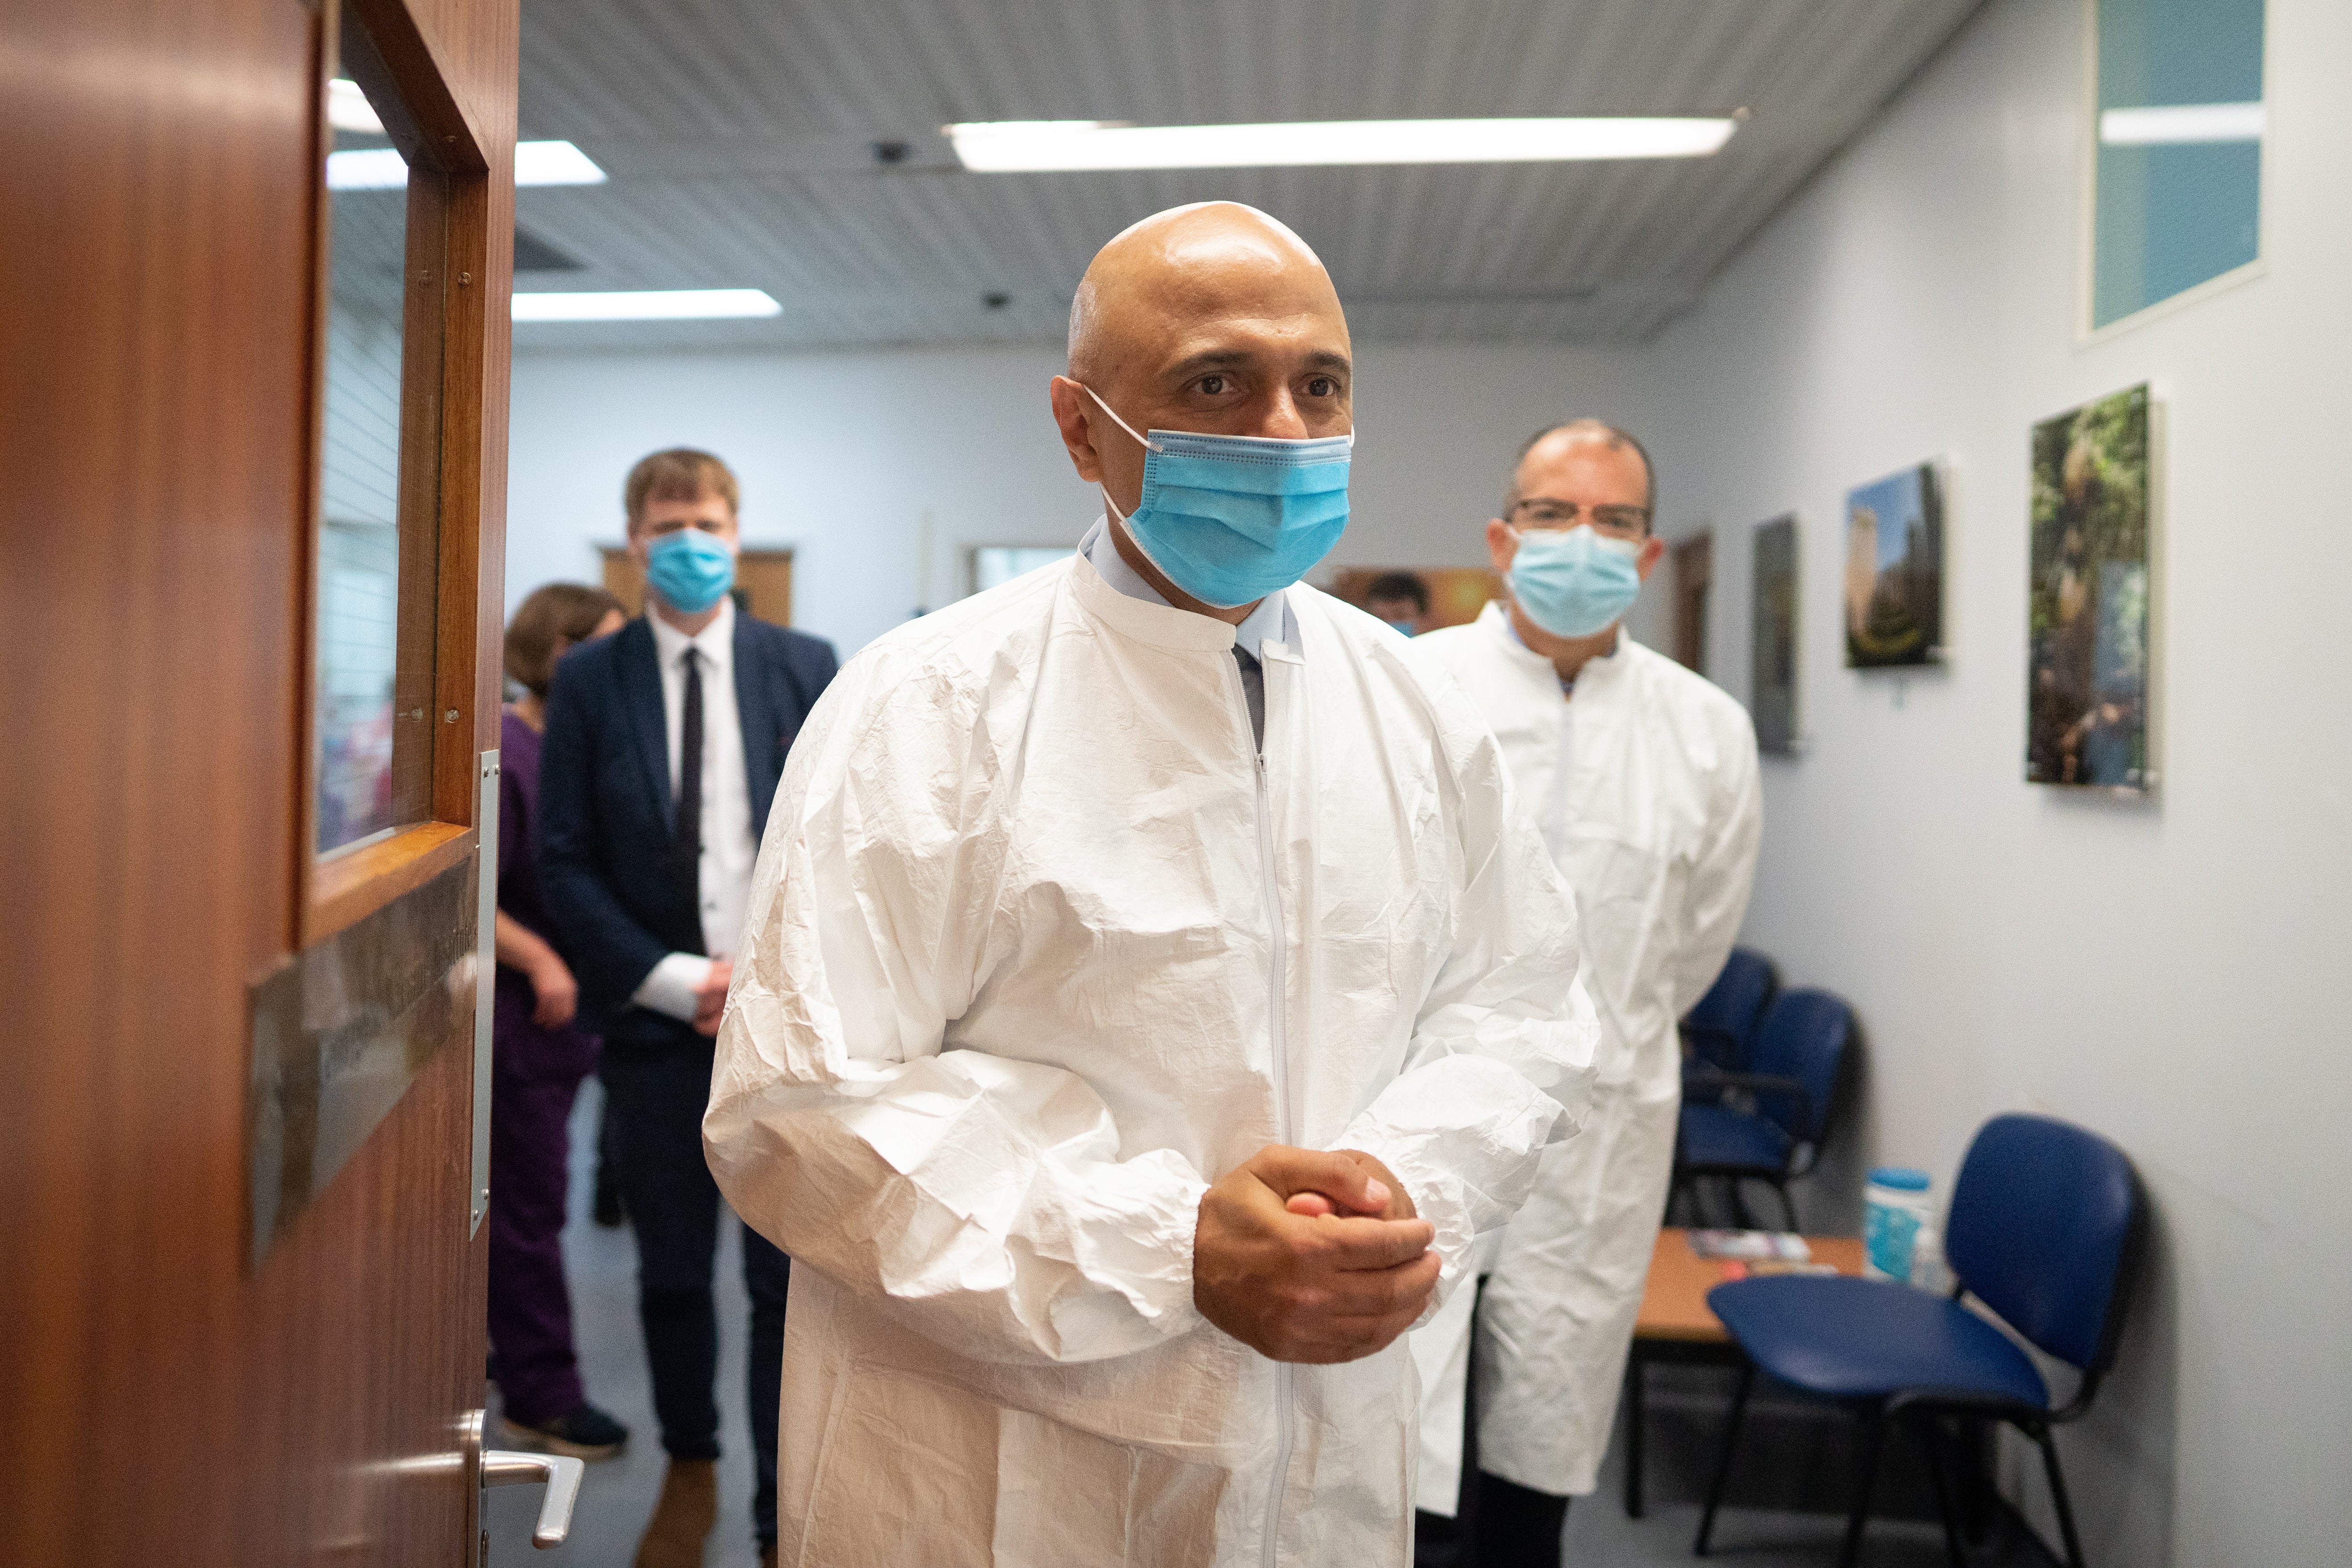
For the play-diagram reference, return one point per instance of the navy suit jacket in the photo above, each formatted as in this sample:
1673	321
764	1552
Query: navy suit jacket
607	861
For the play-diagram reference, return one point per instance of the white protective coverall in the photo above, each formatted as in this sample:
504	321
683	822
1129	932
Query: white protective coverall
1643	783
1004	1010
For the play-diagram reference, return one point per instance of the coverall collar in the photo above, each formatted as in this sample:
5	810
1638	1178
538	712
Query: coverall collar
1270	622
1599	671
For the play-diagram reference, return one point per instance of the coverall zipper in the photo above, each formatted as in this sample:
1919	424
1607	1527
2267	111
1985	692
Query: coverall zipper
1271	889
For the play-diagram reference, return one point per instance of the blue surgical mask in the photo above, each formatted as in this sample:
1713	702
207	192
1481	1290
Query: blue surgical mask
1230	518
691	569
1573	581
1407	628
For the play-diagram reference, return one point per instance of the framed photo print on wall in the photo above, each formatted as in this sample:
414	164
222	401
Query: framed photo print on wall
1773	669
1894	570
2087	592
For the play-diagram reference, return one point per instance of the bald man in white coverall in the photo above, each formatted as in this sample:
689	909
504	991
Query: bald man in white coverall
1642	778
1147	994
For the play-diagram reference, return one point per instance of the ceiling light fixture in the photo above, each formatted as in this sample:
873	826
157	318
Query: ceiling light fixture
1005	145
2179	124
348	110
536	164
645	305
554	163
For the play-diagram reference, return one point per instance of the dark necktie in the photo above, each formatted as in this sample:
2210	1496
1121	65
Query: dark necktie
688	840
1253	692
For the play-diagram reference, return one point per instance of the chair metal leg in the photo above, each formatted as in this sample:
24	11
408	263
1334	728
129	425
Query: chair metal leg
1931	1438
1740	1214
2058	1496
1788	1204
1635	1367
1723	1459
1870	1430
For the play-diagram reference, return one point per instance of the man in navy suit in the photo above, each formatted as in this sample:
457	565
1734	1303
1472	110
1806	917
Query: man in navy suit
664	743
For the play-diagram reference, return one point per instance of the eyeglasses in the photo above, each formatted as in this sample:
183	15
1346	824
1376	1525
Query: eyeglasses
1543	511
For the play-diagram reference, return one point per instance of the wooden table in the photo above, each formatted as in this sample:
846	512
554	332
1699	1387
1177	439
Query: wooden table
1675	1325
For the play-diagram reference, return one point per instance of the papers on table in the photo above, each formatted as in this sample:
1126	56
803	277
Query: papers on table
1751	1245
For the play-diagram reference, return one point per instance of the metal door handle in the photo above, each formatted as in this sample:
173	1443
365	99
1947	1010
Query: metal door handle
507	1468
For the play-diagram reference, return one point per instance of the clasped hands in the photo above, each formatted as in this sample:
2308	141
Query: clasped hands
1308	1256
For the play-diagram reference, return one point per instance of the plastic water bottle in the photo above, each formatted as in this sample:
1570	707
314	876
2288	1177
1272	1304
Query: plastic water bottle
1893	1206
1929	1272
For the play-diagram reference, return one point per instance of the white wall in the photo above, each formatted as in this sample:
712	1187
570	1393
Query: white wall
2170	973
842	455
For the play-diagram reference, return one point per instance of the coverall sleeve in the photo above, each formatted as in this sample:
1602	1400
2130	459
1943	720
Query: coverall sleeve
981	1199
1500	1063
1715	897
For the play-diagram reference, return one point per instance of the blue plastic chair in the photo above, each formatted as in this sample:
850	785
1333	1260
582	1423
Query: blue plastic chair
2045	1229
1767	1121
1721	1029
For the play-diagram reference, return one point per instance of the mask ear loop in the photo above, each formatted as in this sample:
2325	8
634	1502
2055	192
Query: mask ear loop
1152	446
1147	446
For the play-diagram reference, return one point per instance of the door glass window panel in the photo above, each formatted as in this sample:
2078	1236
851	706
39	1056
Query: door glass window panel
376	523
2180	129
992	565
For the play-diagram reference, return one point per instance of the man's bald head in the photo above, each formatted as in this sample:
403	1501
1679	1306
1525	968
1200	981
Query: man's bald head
1548	448
1204	261
1212	318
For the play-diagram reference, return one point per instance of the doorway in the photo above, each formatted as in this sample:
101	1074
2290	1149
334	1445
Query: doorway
1694	560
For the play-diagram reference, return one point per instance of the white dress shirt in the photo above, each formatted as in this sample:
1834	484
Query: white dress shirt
729	851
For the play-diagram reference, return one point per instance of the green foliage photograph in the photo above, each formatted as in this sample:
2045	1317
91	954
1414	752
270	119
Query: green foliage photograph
2088	598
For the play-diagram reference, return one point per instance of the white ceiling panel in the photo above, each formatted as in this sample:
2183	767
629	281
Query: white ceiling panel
740	138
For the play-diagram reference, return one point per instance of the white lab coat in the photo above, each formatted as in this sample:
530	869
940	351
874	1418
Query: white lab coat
1003	1012
1644	784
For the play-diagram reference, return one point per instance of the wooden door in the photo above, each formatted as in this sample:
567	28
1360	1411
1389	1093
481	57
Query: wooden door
240	1277
1694	560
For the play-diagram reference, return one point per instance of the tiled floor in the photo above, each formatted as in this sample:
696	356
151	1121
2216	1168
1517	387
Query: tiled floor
619	1493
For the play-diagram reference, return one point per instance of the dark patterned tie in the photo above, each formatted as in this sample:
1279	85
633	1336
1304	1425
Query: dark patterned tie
688	840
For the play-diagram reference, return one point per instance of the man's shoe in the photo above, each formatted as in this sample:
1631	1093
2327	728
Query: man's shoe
767	1555
683	1517
586	1433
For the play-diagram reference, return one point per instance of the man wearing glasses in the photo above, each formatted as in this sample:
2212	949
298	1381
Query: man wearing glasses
1640	776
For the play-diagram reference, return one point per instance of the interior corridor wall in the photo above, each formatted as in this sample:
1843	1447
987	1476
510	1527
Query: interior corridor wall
843	456
2168	972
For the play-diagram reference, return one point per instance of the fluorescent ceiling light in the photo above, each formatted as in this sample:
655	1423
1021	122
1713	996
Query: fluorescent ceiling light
1029	144
554	163
2178	124
367	168
536	164
645	305
348	110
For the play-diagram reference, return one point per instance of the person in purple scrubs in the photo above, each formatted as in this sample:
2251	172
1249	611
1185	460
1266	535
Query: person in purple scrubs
540	1055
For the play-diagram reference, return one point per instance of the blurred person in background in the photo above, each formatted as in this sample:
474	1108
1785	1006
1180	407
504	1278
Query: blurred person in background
665	743
539	1056
1640	776
1400	598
